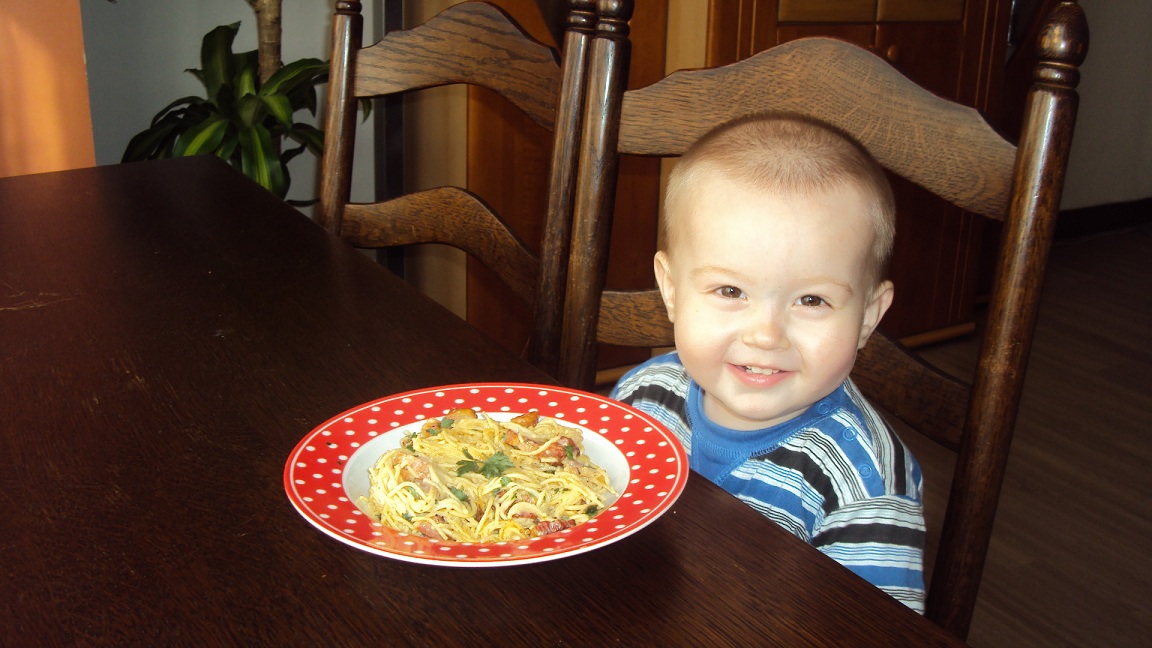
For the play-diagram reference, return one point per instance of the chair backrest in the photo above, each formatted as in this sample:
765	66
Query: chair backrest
478	44
943	146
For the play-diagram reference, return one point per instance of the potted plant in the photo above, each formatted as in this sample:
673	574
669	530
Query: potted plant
241	119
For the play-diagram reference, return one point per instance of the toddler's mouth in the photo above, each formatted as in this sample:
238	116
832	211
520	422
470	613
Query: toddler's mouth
763	371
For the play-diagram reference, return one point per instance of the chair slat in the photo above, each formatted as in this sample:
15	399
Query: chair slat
460	46
847	87
897	381
635	319
415	218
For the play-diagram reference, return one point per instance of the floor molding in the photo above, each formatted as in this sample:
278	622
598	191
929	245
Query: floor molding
1089	221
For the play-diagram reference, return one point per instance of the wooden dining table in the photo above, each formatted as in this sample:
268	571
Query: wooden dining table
169	331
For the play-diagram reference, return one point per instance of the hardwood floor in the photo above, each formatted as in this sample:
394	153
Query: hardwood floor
1071	557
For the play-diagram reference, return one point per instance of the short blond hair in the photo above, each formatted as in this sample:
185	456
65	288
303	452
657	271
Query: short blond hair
792	155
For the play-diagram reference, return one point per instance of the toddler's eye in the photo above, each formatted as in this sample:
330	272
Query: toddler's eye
730	292
811	301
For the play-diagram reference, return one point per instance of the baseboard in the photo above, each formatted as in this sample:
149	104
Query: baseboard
1089	221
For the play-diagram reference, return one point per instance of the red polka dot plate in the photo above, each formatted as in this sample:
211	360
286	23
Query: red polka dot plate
327	472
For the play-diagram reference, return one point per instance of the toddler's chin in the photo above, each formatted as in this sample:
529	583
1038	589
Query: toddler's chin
736	415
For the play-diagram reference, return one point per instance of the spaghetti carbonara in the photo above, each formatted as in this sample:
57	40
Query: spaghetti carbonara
469	478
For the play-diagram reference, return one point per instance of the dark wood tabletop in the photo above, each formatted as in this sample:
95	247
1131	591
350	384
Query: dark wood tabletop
169	331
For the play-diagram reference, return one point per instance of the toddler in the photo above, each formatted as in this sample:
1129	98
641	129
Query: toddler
776	238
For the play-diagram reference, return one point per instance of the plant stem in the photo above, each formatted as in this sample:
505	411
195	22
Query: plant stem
268	36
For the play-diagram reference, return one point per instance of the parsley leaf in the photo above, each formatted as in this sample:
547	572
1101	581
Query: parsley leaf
491	467
460	494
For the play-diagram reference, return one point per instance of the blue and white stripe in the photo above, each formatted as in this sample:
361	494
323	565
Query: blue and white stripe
836	477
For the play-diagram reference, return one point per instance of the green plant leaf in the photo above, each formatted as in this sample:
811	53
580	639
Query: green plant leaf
145	144
179	103
225	103
259	160
249	58
250	110
365	107
202	138
279	107
309	136
246	77
228	147
216	59
286	156
159	139
305	72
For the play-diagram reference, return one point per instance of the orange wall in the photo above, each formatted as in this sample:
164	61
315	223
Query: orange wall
45	122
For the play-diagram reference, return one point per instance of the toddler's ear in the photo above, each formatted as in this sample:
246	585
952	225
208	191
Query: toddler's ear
664	281
874	310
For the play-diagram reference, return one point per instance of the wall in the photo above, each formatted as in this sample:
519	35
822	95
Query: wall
44	118
1111	159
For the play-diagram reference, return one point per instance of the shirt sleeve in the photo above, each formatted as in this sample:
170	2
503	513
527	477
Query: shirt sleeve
881	539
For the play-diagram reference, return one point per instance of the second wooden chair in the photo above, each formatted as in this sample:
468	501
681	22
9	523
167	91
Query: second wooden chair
943	146
473	43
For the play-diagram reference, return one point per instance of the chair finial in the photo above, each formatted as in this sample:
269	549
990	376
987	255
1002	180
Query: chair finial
614	17
1062	46
347	7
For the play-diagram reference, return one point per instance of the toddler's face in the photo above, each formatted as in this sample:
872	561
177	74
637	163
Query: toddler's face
771	296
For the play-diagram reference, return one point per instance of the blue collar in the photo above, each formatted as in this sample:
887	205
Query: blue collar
718	450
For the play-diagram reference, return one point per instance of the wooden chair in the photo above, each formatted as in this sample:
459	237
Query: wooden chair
474	43
945	147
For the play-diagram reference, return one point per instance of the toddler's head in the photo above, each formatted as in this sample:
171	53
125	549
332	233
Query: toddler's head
777	233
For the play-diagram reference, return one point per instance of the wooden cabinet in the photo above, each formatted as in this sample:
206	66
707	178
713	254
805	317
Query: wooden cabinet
955	48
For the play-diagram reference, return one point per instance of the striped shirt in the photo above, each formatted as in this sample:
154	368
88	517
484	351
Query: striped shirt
836	476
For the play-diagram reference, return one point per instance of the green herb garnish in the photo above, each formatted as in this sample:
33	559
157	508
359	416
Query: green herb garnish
491	468
460	494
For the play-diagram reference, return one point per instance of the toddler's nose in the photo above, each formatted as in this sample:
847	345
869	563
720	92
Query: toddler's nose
766	332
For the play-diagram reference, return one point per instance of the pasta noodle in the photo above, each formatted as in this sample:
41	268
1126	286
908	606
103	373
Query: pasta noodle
469	478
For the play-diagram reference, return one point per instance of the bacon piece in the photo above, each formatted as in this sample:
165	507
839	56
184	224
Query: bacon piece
552	526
